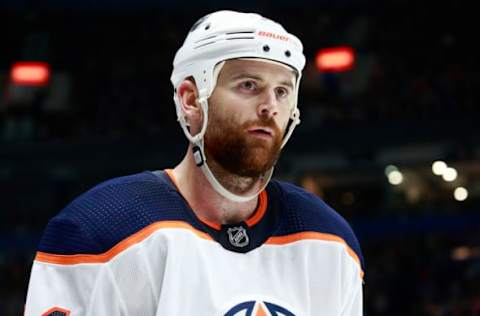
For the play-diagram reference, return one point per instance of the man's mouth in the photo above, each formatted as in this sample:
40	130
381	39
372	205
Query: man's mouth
262	132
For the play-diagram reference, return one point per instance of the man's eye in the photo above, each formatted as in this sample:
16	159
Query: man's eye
282	92
249	85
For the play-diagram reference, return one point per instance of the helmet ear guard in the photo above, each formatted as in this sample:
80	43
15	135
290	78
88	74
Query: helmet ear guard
216	38
205	79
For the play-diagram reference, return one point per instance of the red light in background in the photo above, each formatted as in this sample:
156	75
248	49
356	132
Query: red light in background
30	73
336	59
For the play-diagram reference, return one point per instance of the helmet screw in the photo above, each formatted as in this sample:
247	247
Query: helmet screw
287	53
266	48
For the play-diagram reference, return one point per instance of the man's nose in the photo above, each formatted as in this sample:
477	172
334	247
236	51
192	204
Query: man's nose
269	104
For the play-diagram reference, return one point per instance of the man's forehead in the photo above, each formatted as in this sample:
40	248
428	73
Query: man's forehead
258	67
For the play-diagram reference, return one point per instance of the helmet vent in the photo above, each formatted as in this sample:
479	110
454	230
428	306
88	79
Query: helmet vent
204	44
239	35
236	38
240	32
205	38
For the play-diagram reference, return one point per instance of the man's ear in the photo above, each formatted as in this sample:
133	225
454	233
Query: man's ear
188	95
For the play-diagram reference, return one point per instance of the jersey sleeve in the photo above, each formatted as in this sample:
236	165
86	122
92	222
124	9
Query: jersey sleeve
94	257
306	212
61	286
352	285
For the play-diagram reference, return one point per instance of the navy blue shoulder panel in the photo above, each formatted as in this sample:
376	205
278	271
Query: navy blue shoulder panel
112	211
304	211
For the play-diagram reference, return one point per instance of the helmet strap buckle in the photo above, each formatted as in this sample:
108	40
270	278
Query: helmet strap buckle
198	156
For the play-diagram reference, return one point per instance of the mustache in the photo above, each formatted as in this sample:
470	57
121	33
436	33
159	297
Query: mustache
262	122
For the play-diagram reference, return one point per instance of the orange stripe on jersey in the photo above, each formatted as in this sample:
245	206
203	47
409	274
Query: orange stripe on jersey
262	207
281	240
121	246
209	223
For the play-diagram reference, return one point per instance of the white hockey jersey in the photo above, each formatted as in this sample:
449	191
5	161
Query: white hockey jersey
132	246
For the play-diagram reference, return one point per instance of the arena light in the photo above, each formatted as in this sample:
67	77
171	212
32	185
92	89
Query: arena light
439	167
465	252
450	174
461	253
460	194
395	177
335	59
30	74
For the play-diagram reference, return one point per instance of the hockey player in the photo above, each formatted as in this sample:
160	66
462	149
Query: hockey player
214	235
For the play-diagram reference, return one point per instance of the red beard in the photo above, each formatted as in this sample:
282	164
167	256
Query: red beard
239	153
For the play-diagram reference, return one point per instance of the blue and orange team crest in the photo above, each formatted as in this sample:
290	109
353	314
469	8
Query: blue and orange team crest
56	311
257	308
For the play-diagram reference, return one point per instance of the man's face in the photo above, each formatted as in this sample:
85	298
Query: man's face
248	114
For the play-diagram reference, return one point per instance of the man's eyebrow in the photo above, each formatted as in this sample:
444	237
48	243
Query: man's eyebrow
244	75
287	83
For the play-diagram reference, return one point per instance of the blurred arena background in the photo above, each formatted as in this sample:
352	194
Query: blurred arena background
367	143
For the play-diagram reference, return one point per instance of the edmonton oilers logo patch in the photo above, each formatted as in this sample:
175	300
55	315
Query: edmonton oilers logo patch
238	236
258	308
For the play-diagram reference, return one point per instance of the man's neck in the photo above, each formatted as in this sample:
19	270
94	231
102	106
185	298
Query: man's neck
207	203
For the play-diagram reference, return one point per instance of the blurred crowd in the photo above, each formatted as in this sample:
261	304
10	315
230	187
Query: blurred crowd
425	274
110	81
411	67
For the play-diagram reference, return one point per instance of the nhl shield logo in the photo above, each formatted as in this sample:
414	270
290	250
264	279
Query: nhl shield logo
238	236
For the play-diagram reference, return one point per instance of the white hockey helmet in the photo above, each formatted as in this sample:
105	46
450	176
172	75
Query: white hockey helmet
221	36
